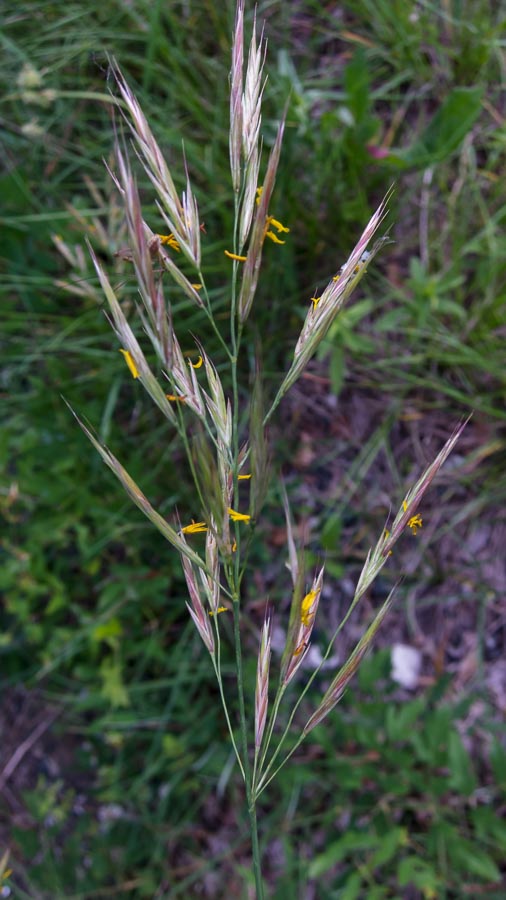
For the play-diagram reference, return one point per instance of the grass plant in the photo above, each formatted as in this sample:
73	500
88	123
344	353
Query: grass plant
211	427
85	614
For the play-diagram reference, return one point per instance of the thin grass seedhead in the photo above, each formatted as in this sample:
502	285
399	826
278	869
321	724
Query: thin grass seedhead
414	496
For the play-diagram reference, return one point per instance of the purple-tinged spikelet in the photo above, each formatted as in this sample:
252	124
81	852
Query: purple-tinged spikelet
262	687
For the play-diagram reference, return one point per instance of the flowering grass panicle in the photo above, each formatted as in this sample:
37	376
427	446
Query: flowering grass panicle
227	451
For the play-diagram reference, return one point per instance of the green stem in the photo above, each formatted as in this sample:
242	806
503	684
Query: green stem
257	868
234	574
208	311
268	735
191	463
240	687
264	783
217	670
275	403
250	796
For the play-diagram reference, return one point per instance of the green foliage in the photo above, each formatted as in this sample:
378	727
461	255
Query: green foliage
391	799
413	812
446	130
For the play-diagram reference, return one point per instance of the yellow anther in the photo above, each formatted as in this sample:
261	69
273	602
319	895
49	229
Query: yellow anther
130	363
194	528
170	241
300	649
277	225
237	516
415	523
273	237
306	607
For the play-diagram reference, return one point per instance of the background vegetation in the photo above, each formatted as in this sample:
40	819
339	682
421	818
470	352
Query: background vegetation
116	774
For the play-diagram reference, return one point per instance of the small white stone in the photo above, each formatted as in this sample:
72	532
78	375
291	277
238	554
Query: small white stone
406	665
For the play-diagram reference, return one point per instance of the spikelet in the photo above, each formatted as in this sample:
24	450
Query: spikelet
253	262
324	309
183	377
219	411
180	216
212	584
236	127
155	320
130	343
251	120
298	640
262	686
412	499
196	610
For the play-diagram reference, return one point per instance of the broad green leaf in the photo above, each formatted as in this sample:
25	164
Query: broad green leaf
498	763
490	828
356	82
352	890
400	719
445	131
412	870
470	857
351	843
462	778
